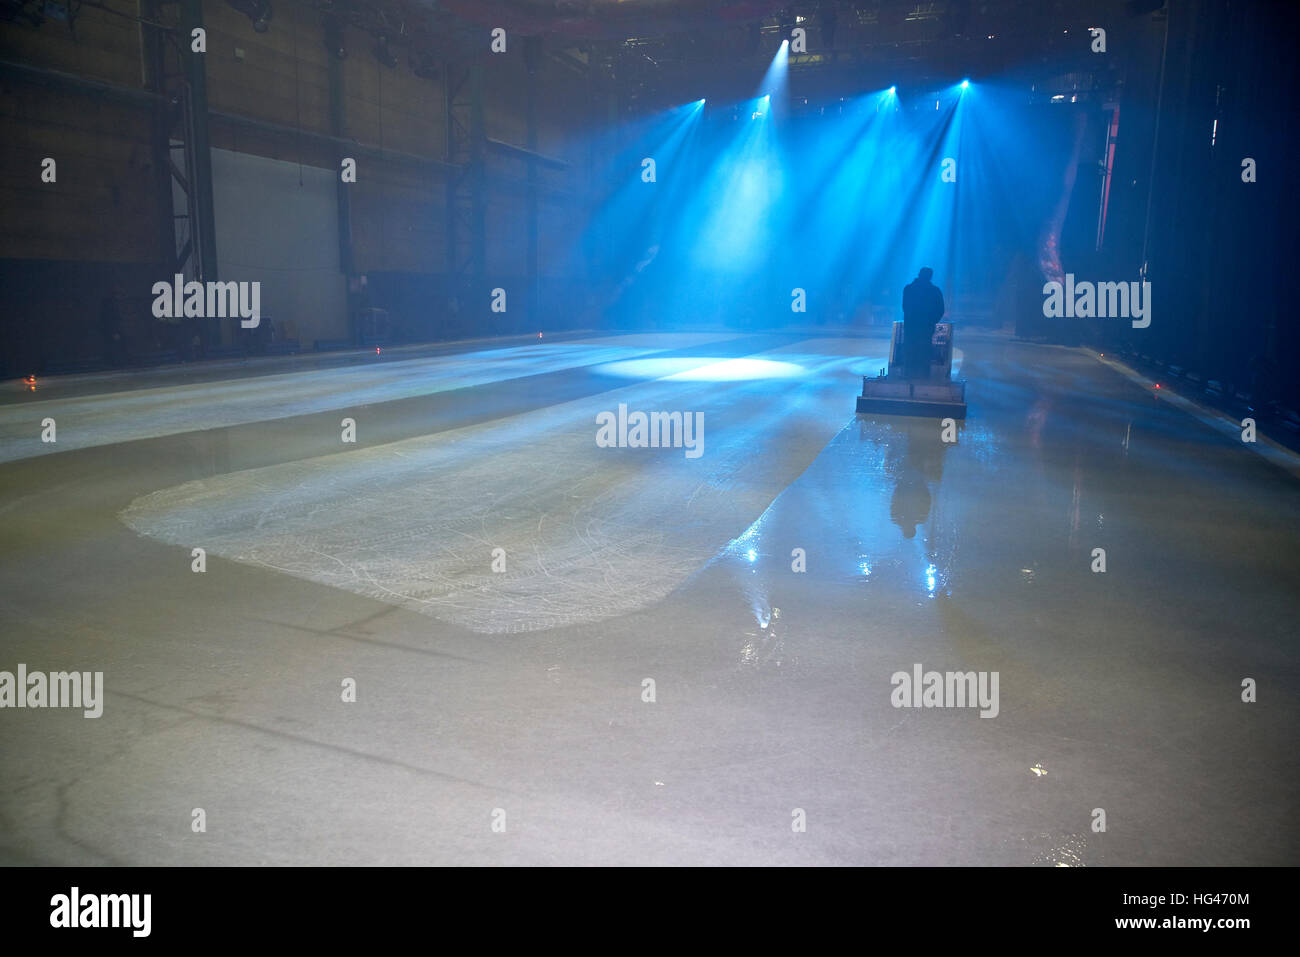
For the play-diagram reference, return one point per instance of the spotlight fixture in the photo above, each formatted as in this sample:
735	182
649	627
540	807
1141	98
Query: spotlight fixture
787	21
258	11
893	89
965	83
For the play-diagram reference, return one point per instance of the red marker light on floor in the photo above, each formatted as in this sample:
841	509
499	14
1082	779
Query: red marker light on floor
539	335
376	350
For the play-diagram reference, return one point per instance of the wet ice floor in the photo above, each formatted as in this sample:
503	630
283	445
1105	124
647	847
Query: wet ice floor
522	690
174	408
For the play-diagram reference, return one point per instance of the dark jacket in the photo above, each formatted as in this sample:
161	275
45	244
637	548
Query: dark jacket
922	304
922	308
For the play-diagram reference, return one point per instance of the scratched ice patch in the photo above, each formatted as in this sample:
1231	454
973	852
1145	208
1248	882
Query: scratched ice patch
588	533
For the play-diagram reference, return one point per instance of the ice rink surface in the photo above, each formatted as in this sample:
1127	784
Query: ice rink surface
521	691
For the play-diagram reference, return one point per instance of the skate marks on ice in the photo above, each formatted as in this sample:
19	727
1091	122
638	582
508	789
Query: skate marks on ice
585	533
109	418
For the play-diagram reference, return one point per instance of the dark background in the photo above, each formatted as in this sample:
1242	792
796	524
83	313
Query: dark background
484	171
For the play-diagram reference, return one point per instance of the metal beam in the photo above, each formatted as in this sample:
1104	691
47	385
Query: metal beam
153	53
466	193
571	62
477	181
530	155
532	58
338	125
449	141
57	79
352	147
203	227
131	96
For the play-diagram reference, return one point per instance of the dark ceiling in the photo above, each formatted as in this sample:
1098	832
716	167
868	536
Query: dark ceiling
668	47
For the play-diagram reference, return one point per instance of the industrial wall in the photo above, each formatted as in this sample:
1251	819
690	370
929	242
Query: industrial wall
281	107
1196	219
257	202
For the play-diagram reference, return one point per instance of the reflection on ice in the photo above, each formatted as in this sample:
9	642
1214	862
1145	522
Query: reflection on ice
741	556
909	469
702	369
888	505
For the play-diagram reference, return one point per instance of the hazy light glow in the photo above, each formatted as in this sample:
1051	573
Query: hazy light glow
774	80
702	369
733	370
846	199
734	211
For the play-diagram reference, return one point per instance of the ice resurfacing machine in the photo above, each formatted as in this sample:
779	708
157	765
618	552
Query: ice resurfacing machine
893	392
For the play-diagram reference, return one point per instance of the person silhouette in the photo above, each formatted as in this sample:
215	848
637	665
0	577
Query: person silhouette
922	308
